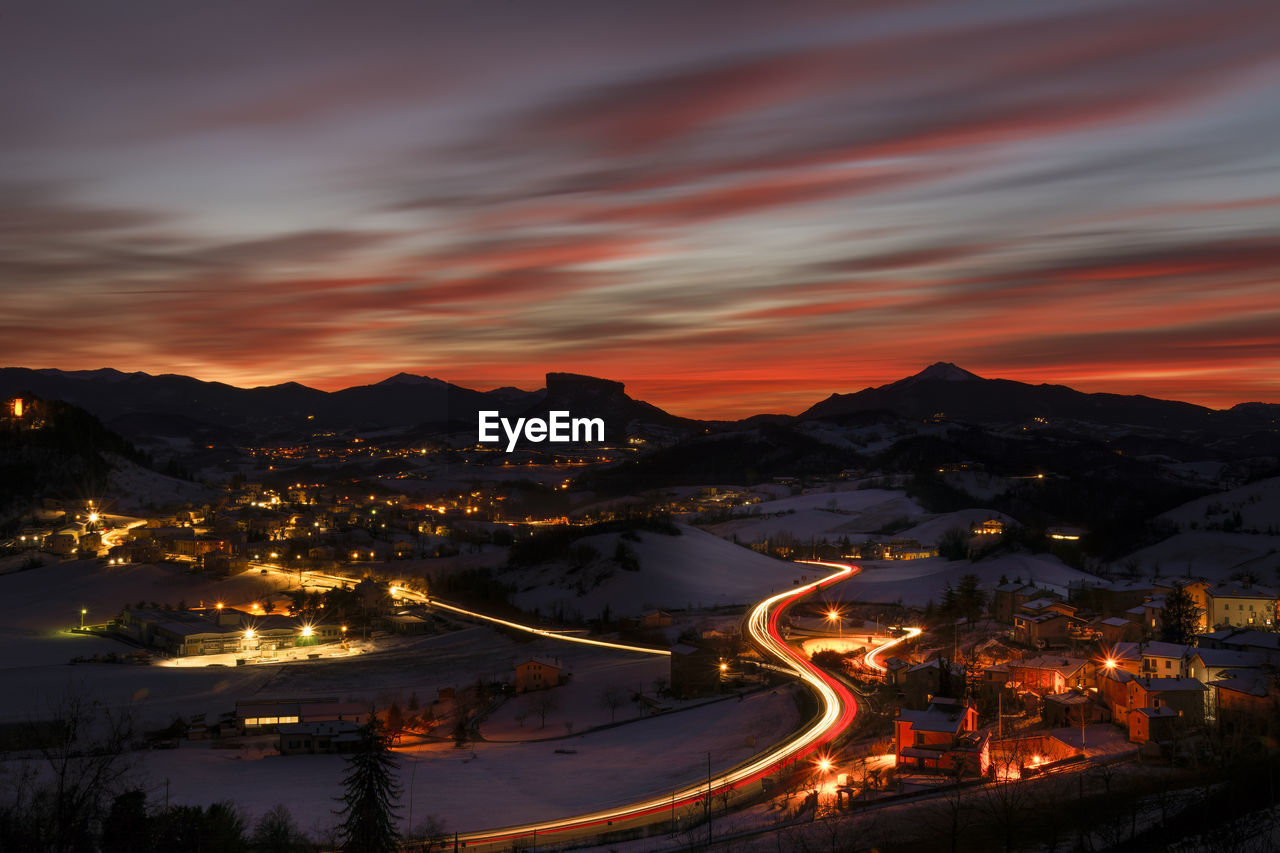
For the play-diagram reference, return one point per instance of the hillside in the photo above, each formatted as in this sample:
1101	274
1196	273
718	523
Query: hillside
674	572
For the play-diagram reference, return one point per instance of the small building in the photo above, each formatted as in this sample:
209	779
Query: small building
1249	701
1212	664
1008	597
1116	629
405	624
655	619
937	677
695	671
1072	708
265	715
942	739
1163	660
1263	643
538	673
1236	604
318	738
63	543
1161	709
1048	674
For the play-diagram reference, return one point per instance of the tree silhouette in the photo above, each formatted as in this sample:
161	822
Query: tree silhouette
370	790
1180	620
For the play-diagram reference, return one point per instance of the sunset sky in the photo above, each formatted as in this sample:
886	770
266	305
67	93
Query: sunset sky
732	207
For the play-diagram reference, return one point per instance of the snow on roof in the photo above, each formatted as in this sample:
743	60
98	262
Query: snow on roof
1251	684
1172	685
1239	590
1228	657
933	720
1069	698
1116	622
1257	639
319	727
1126	651
191	629
1116	674
1162	711
1065	666
1158	649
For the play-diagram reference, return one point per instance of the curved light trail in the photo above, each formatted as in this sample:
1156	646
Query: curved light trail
839	707
838	710
873	657
422	598
541	632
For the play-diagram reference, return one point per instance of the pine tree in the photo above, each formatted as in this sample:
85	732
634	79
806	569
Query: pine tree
1180	619
370	790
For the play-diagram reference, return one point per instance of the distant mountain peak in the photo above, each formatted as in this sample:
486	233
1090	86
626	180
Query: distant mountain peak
410	379
939	371
945	371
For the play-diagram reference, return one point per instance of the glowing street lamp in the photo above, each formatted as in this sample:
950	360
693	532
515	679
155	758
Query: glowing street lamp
833	615
83	612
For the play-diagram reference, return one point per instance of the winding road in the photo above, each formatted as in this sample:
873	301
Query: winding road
838	704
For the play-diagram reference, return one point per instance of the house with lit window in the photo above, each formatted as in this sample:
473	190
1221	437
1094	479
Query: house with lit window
941	739
1236	604
1048	674
1212	664
1266	644
265	715
318	738
538	673
1163	660
1162	709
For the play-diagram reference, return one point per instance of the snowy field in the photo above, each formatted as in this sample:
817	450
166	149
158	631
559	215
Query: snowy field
37	606
916	582
1257	503
930	531
493	784
824	514
1210	554
695	569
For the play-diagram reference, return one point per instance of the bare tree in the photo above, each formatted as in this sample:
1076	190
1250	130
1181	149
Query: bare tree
543	703
611	699
83	744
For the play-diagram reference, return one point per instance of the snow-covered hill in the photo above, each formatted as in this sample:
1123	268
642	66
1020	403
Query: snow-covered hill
692	569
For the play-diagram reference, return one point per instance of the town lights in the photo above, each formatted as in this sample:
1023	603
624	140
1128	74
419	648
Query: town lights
218	605
306	630
824	765
249	633
1110	663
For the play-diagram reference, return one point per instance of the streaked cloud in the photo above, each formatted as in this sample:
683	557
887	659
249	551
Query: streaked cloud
733	207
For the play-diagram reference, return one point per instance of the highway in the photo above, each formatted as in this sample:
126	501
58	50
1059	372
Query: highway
412	595
838	710
838	705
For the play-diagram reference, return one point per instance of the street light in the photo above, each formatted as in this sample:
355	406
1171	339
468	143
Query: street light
83	611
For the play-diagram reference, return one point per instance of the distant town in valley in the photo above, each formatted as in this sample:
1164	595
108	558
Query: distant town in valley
947	613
